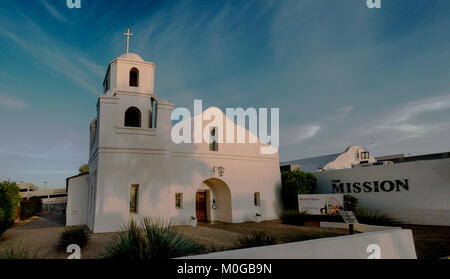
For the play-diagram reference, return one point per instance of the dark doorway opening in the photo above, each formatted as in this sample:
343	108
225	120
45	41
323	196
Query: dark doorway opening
200	205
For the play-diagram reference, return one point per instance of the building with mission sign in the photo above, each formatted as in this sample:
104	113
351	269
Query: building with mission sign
414	189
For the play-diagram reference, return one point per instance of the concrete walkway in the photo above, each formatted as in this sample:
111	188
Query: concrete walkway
45	221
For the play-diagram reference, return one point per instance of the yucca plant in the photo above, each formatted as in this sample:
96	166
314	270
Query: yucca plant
255	239
153	239
164	242
128	244
18	250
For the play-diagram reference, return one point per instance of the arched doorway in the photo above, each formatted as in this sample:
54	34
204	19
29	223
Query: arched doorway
213	201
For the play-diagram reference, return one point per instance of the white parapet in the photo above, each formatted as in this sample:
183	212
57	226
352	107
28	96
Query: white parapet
386	244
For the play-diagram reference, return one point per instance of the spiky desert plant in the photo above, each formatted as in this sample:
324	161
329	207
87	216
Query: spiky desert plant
153	239
128	244
164	242
18	250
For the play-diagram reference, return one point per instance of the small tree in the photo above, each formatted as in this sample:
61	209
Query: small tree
27	209
9	201
37	203
294	183
350	203
84	169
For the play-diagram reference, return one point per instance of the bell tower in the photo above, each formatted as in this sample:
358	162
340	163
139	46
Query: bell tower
129	73
129	105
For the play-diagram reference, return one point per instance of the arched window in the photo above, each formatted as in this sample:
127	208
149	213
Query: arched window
133	117
134	77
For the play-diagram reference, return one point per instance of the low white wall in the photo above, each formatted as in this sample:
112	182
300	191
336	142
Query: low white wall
393	244
77	201
415	192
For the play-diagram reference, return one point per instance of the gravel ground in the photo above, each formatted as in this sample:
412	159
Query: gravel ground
220	236
431	242
42	233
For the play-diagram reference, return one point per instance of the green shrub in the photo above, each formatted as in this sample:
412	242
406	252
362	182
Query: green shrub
294	217
74	235
350	203
256	239
37	204
153	239
9	201
374	217
83	169
27	209
294	183
17	251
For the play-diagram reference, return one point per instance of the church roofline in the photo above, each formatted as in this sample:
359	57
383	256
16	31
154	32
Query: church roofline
143	62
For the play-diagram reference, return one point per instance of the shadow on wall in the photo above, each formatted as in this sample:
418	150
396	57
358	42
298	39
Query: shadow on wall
222	195
153	173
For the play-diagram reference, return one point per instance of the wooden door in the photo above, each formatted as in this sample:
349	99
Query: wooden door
200	205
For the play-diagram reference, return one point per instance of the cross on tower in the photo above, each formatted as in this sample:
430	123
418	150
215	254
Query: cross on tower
128	35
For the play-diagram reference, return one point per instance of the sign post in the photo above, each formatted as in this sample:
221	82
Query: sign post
349	219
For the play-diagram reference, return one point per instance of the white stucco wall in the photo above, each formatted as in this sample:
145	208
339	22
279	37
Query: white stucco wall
351	156
77	201
124	156
161	176
426	202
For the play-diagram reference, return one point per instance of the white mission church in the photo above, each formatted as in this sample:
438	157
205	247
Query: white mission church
136	170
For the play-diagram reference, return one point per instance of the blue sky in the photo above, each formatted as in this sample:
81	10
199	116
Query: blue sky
340	73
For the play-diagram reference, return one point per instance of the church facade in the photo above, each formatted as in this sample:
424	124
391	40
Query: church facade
137	171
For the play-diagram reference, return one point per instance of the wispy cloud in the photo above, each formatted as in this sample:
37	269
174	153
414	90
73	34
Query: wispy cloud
299	134
11	103
34	151
55	55
53	11
342	113
406	118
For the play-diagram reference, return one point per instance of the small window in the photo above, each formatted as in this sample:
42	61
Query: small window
213	145
93	129
106	82
134	193
153	113
365	155
133	117
134	77
179	200
256	199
